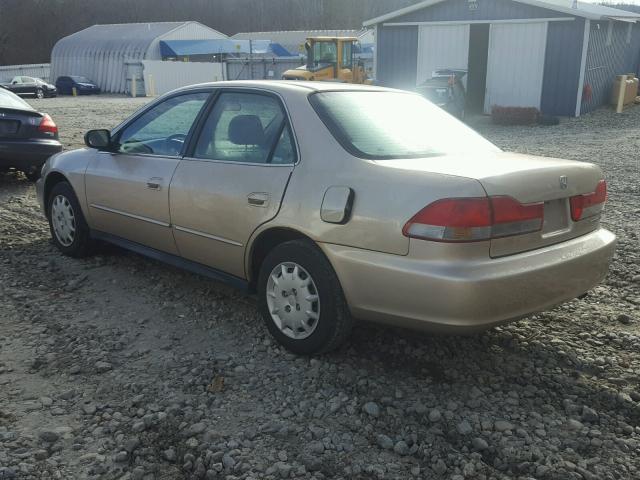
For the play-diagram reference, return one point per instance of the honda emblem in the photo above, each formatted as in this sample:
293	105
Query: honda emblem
564	182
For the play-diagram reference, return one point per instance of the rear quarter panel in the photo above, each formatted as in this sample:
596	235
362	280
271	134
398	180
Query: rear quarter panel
385	198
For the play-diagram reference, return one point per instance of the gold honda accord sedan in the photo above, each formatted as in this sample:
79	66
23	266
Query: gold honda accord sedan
335	202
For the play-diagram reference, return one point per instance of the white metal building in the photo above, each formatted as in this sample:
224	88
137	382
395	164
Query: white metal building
101	52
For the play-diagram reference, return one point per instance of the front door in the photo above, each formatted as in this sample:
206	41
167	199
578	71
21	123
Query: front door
128	189
233	180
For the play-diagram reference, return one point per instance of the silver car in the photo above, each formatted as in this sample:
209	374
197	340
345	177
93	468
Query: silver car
334	203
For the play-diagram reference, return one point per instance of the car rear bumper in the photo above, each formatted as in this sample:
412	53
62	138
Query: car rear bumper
468	295
27	154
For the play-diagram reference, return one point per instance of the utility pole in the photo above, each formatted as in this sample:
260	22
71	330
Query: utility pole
251	58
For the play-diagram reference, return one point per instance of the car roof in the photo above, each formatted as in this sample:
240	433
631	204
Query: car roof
292	85
11	100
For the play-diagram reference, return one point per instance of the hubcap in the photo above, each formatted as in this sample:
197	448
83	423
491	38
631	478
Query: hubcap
63	220
293	301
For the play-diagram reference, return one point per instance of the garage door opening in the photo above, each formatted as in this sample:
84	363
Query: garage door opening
504	61
477	76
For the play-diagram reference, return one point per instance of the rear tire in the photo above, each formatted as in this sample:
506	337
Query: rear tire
32	175
69	230
301	300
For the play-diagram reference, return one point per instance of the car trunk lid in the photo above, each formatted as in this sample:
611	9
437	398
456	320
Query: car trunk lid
19	124
527	179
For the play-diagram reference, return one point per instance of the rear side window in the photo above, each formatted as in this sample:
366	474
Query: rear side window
383	125
246	128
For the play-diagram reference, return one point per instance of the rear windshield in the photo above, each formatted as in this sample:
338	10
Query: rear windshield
387	125
10	100
81	79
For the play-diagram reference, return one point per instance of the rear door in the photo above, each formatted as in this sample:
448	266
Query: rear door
128	189
234	178
515	66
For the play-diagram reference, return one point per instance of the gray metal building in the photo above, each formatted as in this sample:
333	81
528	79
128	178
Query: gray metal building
559	56
102	52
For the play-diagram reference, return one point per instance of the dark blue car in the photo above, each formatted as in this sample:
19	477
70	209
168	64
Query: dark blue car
83	85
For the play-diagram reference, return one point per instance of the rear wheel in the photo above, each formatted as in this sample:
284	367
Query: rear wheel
301	300
69	230
33	174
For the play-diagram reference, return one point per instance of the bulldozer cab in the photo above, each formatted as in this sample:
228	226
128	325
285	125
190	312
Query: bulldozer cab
329	52
329	59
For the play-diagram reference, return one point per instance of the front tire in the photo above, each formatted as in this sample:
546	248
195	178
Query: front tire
39	93
69	230
301	300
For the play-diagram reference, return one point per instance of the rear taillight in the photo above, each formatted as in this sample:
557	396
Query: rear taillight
589	204
47	125
474	219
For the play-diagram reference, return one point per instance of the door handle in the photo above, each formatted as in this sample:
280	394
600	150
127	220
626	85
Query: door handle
258	199
154	183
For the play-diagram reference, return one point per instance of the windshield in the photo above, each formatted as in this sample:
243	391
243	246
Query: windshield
10	100
324	53
387	125
81	79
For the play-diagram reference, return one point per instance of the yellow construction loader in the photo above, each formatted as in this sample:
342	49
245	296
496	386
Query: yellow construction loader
330	59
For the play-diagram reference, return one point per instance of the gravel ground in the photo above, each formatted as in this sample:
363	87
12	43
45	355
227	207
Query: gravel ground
118	367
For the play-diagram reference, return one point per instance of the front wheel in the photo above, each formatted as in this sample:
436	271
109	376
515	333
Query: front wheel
301	300
69	230
39	93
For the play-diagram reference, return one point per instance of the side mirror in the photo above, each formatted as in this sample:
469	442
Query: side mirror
15	82
100	139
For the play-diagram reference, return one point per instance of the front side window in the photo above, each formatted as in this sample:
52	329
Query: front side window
28	80
325	53
247	128
386	125
163	129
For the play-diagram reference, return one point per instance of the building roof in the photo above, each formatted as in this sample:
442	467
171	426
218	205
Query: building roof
579	9
137	32
137	36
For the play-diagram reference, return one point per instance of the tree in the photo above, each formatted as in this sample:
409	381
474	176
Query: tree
30	28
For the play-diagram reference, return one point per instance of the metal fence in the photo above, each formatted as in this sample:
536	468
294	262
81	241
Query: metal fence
39	70
272	68
260	68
